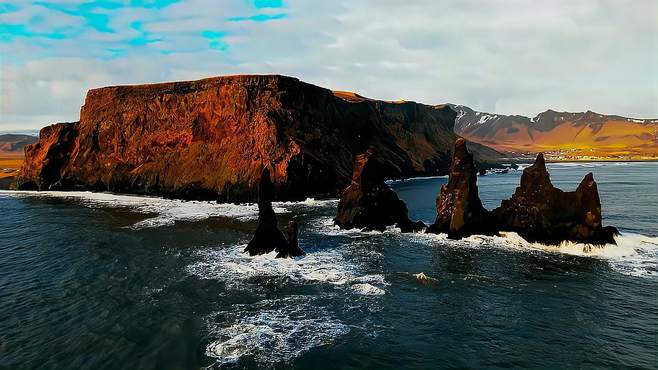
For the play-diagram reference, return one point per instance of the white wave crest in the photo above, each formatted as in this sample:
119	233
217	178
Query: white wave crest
278	331
235	268
327	226
274	331
166	211
367	289
309	203
389	182
634	254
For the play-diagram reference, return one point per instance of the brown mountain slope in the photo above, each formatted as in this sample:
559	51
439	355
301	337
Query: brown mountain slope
13	144
562	135
11	155
211	139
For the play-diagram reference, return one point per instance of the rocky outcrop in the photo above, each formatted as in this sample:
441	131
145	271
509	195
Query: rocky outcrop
210	139
369	203
459	209
537	211
47	158
292	248
540	212
267	237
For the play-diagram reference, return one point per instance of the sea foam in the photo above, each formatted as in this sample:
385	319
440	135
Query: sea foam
278	330
166	212
634	254
272	331
329	266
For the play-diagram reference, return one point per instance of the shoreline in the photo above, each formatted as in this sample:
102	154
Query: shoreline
600	160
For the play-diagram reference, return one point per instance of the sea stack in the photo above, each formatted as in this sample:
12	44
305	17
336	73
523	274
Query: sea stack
292	247
369	203
540	212
268	237
459	209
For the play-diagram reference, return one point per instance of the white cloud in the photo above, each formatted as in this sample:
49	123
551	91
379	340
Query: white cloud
509	56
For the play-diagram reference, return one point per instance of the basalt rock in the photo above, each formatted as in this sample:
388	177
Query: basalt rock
210	139
292	247
540	212
369	203
268	237
459	209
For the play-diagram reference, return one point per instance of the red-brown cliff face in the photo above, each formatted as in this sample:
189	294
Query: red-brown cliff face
211	139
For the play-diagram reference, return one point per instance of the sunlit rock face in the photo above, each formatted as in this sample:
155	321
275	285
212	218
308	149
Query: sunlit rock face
210	139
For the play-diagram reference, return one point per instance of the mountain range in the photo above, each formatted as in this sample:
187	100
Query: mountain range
12	145
561	135
413	137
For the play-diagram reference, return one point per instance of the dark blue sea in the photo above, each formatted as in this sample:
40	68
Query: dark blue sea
105	281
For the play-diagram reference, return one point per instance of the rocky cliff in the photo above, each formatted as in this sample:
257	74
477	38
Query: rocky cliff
368	203
211	139
459	208
538	211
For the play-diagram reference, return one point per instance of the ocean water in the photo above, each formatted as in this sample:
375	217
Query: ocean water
104	281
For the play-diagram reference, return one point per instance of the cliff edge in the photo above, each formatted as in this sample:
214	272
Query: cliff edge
211	139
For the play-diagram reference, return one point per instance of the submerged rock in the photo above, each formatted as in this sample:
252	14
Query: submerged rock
540	212
268	237
459	209
369	203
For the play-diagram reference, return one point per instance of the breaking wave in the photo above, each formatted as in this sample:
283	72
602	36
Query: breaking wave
389	182
237	269
326	226
272	331
634	254
279	330
166	212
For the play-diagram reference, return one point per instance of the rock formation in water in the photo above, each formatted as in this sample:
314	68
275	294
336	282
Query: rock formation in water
540	212
268	237
292	248
459	209
537	211
210	138
369	203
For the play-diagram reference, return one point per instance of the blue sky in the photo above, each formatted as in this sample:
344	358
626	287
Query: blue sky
507	56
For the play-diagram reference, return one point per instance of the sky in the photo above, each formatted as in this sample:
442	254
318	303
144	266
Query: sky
503	56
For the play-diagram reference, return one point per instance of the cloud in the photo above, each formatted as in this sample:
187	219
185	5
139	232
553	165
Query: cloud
507	56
